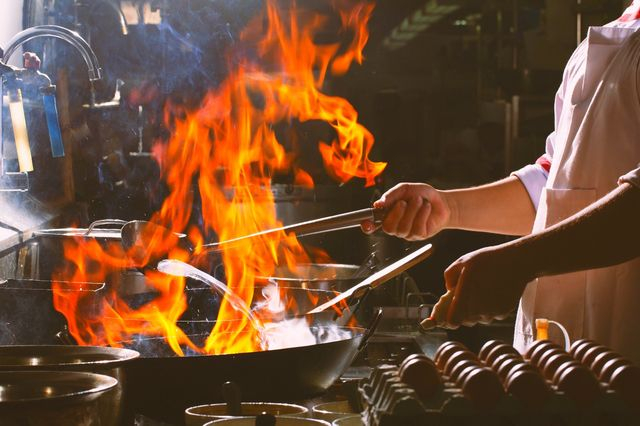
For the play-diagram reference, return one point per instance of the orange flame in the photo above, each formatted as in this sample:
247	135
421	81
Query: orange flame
229	142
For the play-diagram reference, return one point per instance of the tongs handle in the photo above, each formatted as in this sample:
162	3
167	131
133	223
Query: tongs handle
315	226
95	224
383	275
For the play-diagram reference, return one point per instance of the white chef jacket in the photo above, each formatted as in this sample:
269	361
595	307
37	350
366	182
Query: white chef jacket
534	176
595	141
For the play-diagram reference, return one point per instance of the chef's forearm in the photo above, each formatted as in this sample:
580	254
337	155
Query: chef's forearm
603	234
502	207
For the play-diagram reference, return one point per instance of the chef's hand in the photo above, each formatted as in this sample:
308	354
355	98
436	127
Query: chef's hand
481	286
415	211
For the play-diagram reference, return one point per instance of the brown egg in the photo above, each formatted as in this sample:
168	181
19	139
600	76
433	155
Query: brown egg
533	347
483	388
591	354
553	363
625	381
561	368
465	372
444	346
579	384
535	355
601	359
456	358
610	367
580	351
548	354
500	350
412	357
486	348
528	387
423	377
446	353
504	368
576	344
502	358
525	366
459	367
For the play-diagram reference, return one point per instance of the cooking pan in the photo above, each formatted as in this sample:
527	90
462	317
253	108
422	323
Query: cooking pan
66	358
57	398
162	386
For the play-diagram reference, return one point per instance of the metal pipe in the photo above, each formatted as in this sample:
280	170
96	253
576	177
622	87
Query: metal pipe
61	33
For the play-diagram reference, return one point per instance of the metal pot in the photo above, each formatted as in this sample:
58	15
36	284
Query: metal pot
107	361
57	398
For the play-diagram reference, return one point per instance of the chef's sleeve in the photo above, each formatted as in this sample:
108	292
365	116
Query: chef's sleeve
633	177
534	176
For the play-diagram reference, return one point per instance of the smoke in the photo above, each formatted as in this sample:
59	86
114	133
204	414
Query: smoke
296	332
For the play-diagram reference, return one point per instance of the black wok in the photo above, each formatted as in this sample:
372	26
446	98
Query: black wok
163	387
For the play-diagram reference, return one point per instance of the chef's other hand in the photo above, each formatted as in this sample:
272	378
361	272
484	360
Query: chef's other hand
415	211
486	285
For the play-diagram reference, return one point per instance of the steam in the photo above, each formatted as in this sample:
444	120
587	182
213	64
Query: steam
296	332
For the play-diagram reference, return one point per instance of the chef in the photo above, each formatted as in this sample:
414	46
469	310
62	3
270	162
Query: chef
578	208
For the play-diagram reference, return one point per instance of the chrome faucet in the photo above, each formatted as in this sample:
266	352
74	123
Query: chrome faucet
62	33
11	75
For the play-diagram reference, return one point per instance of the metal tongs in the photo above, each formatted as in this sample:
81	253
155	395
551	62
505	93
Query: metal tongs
380	277
138	233
316	226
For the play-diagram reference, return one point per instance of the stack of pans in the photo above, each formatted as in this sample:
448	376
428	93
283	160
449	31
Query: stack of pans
63	385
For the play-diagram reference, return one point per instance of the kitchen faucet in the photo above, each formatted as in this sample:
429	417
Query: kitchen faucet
12	77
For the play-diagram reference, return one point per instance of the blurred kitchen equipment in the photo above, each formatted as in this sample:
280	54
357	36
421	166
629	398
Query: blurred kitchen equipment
201	414
19	298
279	421
57	398
380	277
348	421
332	410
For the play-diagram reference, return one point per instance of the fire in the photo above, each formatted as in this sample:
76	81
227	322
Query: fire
227	148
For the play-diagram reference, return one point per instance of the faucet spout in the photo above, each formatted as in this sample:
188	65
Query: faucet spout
62	33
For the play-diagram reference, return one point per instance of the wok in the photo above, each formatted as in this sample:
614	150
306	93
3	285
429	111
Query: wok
162	386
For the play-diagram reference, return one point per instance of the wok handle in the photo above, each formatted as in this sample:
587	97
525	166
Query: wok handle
315	226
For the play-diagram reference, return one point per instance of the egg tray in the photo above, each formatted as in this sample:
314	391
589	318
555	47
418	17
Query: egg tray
450	407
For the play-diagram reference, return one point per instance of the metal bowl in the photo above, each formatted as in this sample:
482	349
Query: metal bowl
91	359
56	398
201	414
63	357
280	421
